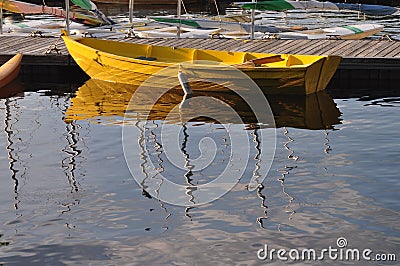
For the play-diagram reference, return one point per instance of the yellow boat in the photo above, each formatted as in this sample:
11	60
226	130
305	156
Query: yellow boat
130	63
107	103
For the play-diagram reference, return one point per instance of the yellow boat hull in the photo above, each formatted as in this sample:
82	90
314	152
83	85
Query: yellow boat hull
132	63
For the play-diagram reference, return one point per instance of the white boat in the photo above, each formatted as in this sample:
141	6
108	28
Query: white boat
281	5
47	26
38	27
239	35
171	32
204	23
94	18
349	32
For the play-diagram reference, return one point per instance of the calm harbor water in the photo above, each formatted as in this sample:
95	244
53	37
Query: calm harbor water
67	196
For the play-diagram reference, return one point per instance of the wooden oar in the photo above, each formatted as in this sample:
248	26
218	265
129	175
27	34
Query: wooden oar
260	61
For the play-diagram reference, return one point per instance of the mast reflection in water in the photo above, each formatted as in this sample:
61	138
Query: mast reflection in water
108	102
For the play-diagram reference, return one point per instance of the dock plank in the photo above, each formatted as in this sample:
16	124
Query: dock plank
371	47
15	45
38	46
378	52
338	47
394	51
263	46
279	48
360	48
213	45
365	55
296	47
316	49
313	45
352	49
325	47
268	45
247	47
195	43
225	46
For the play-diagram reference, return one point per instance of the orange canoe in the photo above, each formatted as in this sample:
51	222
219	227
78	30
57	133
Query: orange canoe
9	71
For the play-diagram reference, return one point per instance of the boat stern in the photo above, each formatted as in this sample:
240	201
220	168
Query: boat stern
319	74
329	68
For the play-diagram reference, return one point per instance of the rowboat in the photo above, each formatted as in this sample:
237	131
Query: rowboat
205	23
28	8
153	3
348	32
47	27
281	5
14	88
9	70
371	10
128	63
40	27
170	32
109	103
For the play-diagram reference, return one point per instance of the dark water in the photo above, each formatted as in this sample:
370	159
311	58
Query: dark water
67	196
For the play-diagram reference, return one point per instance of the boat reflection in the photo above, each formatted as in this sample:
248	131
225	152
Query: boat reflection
15	88
21	143
104	102
110	103
12	89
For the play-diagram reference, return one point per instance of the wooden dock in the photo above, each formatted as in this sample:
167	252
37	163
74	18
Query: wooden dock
366	60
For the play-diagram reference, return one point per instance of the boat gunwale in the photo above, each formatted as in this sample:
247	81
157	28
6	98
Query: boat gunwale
218	64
